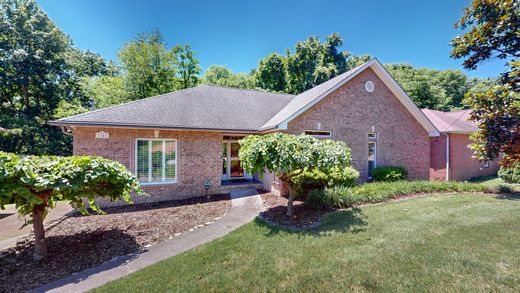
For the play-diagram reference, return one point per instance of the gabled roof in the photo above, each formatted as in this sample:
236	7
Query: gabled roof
200	108
451	122
230	109
307	99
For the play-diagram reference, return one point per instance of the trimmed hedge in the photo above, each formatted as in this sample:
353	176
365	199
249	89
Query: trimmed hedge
344	197
510	175
304	183
389	173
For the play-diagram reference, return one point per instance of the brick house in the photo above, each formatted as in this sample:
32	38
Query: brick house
176	142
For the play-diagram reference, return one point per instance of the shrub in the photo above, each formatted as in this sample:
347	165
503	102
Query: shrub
343	197
329	198
304	183
510	175
389	173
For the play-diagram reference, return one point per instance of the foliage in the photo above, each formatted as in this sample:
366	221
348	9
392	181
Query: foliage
221	75
318	179
329	198
376	192
510	174
288	156
35	184
271	73
106	90
491	31
497	115
389	173
40	71
187	66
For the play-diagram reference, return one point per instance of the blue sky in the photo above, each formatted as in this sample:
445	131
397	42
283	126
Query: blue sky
239	33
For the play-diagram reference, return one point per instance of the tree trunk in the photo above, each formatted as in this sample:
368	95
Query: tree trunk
290	200
40	243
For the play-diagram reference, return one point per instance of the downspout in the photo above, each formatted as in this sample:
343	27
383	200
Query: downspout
66	130
447	156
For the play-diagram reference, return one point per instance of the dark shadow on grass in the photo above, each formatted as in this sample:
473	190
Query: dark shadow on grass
346	221
509	196
72	257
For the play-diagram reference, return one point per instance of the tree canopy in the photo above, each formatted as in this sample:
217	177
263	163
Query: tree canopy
288	155
35	184
221	75
492	31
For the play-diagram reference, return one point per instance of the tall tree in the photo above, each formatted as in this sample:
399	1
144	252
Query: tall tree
188	67
271	73
149	67
36	74
492	31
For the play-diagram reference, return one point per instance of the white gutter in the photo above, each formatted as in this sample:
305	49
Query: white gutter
447	156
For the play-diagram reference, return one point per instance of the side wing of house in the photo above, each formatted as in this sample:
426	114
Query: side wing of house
373	122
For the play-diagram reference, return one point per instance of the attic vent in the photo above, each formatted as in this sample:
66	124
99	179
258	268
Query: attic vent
369	86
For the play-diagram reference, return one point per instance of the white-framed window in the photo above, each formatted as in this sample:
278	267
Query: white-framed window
372	135
372	157
486	164
156	160
318	133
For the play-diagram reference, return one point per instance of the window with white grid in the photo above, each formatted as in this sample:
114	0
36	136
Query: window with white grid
156	160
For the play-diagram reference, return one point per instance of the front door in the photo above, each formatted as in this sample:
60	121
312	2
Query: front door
231	168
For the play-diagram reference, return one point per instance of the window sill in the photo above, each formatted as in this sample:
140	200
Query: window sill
158	183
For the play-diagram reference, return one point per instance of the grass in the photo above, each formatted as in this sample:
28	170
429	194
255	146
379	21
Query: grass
463	242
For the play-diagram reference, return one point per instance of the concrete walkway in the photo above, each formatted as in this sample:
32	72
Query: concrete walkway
246	204
10	223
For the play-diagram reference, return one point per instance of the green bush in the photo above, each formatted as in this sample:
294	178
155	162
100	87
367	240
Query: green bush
389	173
343	197
510	175
329	198
304	183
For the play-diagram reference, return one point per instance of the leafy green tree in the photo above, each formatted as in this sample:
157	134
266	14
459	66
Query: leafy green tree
491	31
188	67
221	75
302	64
271	73
288	156
38	69
149	67
36	184
106	90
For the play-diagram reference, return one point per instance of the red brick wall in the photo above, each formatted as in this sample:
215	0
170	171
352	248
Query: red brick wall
462	165
198	157
438	158
351	111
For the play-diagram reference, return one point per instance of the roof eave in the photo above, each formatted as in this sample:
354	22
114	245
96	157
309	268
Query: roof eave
141	126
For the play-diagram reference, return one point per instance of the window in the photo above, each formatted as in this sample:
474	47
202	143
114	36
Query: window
371	157
318	133
156	160
372	135
486	164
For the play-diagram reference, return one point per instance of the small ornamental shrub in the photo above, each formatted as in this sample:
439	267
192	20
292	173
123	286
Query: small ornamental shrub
36	183
389	173
510	175
316	179
289	156
330	198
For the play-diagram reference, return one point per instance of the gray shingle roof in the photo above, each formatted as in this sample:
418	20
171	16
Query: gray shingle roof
202	107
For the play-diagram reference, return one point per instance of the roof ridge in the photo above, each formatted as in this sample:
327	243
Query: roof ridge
241	89
125	104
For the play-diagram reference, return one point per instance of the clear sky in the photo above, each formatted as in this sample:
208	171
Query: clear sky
239	33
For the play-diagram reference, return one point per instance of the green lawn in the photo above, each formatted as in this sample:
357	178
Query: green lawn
437	243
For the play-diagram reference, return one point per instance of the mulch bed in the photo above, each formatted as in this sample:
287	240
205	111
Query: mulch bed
276	209
80	242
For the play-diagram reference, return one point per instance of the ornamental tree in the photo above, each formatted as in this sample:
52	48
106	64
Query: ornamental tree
35	184
288	156
491	32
